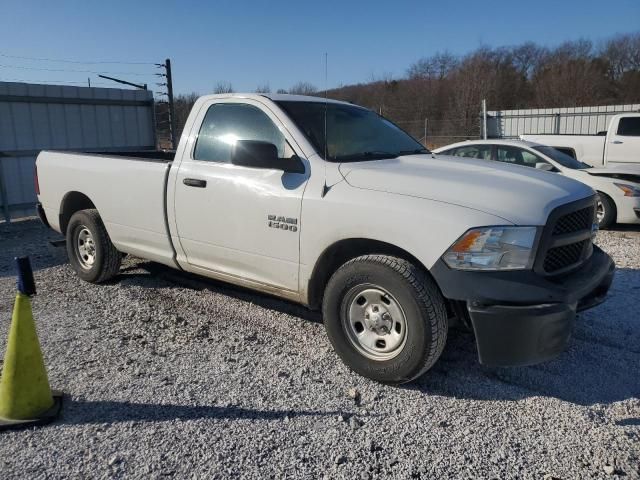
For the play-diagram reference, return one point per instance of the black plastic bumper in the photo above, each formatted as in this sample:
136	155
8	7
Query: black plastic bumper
520	317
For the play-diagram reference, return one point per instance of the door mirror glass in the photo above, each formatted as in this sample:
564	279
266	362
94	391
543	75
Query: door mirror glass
226	123
259	154
254	153
547	167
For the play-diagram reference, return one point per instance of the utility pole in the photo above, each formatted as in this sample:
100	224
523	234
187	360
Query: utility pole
425	131
170	103
172	113
484	118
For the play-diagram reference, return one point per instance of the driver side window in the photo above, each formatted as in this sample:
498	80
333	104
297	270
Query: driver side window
473	151
520	156
225	123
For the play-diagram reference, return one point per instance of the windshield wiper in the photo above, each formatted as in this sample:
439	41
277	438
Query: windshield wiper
374	155
417	151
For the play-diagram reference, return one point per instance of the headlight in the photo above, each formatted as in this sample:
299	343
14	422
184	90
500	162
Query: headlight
493	248
629	190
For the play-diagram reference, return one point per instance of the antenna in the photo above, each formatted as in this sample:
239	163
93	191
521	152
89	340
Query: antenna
325	189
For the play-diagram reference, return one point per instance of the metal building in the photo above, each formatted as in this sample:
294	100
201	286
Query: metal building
36	117
563	121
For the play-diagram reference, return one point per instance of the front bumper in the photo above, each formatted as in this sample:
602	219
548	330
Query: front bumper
521	317
628	209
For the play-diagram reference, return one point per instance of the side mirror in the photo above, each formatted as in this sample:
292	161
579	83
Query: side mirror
259	154
547	167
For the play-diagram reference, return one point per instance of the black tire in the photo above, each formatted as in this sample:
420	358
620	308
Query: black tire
609	212
421	303
105	258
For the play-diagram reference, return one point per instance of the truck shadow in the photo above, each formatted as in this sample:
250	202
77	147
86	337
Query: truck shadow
601	364
195	282
79	412
619	227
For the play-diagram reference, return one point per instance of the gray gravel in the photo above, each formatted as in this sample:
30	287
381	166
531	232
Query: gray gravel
167	375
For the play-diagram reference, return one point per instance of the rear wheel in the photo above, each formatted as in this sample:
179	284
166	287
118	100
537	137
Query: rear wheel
385	318
89	248
605	211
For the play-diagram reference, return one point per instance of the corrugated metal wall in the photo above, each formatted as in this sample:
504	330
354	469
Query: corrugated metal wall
567	121
37	117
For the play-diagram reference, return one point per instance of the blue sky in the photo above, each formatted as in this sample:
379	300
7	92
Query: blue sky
281	42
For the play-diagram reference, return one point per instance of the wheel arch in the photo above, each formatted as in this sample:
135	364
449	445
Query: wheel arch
71	203
340	252
614	206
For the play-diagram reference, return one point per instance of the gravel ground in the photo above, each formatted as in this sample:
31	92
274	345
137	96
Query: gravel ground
167	375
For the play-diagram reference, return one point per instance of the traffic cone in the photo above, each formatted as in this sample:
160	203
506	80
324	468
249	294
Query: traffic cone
25	396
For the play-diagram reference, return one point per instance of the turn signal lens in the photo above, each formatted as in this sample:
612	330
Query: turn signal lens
629	190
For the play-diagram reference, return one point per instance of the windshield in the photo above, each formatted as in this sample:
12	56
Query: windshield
353	133
562	158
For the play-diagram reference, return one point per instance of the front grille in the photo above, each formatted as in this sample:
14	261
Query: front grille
574	222
566	242
561	257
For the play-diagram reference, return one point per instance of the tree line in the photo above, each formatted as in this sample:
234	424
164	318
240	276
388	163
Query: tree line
447	89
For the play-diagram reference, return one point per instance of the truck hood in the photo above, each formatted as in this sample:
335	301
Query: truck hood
519	195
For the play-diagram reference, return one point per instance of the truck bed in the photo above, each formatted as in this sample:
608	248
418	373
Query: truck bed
127	188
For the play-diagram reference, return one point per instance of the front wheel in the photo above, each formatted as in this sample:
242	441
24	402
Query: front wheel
89	248
605	211
385	318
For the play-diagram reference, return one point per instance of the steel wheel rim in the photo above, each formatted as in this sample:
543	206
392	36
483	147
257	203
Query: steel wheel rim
375	322
85	248
600	211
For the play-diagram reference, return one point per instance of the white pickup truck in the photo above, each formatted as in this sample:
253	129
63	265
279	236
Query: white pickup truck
619	145
328	204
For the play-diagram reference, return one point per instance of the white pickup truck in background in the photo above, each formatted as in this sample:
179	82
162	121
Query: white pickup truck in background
619	145
330	205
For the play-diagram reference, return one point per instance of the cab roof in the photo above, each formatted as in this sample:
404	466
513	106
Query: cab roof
279	97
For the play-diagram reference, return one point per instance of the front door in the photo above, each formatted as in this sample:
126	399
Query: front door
238	221
624	145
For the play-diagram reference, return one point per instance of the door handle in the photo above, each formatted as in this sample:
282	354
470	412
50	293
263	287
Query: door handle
195	182
617	142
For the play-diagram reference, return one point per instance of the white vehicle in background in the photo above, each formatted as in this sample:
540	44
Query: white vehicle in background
618	188
618	146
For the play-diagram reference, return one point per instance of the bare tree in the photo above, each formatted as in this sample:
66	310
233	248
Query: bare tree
571	75
223	87
303	88
622	54
264	88
527	58
447	89
182	106
437	66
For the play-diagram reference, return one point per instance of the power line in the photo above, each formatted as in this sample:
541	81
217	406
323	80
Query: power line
20	80
72	71
75	61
